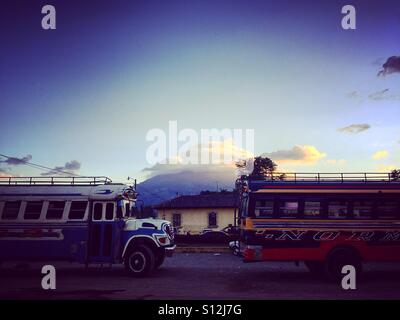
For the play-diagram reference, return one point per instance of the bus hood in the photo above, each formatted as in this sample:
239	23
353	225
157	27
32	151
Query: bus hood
148	223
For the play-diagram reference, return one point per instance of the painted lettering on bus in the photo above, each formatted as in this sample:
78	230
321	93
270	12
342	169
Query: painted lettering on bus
296	235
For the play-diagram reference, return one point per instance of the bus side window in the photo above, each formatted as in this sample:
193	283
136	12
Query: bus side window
288	209
33	210
10	210
98	211
338	209
362	209
264	208
387	209
55	210
110	211
121	209
77	210
127	209
312	209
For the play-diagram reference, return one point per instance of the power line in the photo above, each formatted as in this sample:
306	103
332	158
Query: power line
38	166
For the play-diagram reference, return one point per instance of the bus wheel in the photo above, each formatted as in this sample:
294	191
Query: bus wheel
339	258
159	259
315	267
140	261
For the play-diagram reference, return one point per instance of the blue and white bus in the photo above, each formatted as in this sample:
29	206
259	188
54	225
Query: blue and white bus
83	219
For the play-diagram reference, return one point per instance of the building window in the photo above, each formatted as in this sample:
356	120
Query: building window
212	220
77	211
11	209
176	219
55	210
33	210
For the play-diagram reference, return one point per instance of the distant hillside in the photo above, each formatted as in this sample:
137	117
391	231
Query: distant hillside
166	186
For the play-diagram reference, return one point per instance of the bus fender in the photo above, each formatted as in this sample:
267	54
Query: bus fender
140	239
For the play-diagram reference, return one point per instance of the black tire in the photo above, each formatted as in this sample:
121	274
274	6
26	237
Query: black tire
337	259
317	268
236	251
140	261
159	260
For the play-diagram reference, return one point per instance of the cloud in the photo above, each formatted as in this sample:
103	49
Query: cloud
221	157
227	148
386	168
4	169
392	65
353	94
12	161
69	167
298	155
380	154
383	95
355	128
6	174
335	162
378	95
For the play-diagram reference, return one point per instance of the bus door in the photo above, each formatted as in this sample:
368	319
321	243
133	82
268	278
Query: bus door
105	233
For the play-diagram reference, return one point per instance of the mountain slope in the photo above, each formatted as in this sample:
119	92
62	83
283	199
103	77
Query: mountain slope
166	186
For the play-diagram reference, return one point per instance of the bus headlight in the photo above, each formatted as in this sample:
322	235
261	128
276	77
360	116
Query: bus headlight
169	231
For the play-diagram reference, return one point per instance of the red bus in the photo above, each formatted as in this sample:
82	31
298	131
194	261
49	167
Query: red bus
327	220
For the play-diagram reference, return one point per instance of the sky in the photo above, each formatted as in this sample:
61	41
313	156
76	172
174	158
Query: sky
83	97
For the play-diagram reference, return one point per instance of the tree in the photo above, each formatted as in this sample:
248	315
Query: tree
395	175
264	167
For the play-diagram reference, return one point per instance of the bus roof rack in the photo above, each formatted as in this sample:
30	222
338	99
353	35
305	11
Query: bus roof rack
319	177
56	180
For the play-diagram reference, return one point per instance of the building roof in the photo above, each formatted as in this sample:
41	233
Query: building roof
213	200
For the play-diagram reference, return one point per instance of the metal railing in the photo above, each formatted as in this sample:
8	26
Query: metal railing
327	177
56	180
